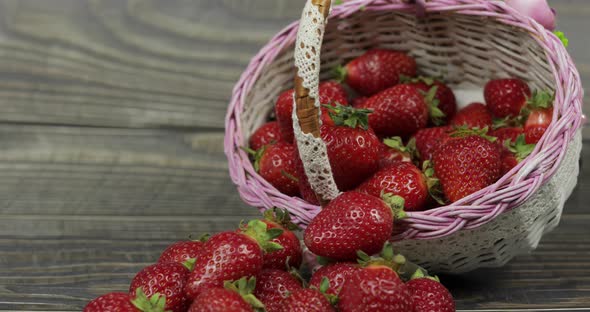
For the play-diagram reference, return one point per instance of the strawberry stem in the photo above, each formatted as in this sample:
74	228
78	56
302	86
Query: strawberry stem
396	203
436	114
464	131
349	116
340	74
155	303
245	288
519	148
433	183
281	217
258	231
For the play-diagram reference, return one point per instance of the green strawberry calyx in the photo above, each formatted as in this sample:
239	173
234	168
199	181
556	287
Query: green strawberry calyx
464	131
519	148
386	258
397	144
396	203
349	116
561	36
420	273
437	116
539	100
256	155
281	217
258	231
433	183
429	81
324	286
506	122
340	73
190	263
155	303
245	288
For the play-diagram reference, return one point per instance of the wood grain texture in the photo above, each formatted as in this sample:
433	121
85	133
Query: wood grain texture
111	117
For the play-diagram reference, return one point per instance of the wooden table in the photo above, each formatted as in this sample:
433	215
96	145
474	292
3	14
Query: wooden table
111	127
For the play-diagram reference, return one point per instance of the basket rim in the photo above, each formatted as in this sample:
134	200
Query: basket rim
475	210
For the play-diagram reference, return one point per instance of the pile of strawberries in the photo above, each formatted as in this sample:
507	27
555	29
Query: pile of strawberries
254	269
402	134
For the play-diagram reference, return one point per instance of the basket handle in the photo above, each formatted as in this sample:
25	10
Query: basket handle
306	112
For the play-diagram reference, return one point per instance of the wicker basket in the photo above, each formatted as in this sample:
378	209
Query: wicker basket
467	41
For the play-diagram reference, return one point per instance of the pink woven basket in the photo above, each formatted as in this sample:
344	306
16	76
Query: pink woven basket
467	41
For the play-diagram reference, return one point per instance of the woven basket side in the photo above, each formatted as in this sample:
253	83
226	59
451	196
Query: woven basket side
458	41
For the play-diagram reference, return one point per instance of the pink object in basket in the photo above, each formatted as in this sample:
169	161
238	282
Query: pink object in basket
492	31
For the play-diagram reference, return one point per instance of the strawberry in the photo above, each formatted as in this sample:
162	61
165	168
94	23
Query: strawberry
305	189
111	302
307	300
442	96
233	297
539	116
376	70
358	102
273	286
269	133
336	273
353	148
352	221
402	179
429	139
515	152
467	163
231	255
429	295
398	111
474	115
392	151
276	164
509	133
184	252
330	92
506	97
376	286
164	279
291	254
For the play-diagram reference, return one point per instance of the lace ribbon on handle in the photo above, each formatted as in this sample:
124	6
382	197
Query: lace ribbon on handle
306	105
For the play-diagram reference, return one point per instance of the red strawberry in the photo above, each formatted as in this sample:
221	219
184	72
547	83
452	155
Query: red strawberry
111	302
503	134
352	221
184	252
444	96
305	189
358	102
377	70
291	254
506	97
166	279
402	179
515	152
331	92
234	297
376	286
474	115
429	139
509	161
269	133
467	164
276	164
540	115
393	151
273	286
336	273
231	255
353	148
429	295
307	300
398	111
